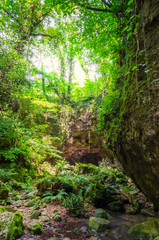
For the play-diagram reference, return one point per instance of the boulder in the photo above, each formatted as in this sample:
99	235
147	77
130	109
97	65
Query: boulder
148	229
11	225
98	224
4	190
35	227
101	213
36	214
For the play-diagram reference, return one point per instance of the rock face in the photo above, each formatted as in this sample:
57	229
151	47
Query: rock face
138	146
85	145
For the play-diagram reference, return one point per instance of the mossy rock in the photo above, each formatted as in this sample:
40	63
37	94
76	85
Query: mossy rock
57	217
35	227
101	213
36	214
98	224
115	206
34	202
2	209
11	225
4	190
148	229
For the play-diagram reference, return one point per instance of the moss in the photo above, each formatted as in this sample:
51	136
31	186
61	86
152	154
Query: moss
35	227
56	217
115	206
148	229
101	213
16	228
4	190
11	225
34	202
2	210
98	224
36	214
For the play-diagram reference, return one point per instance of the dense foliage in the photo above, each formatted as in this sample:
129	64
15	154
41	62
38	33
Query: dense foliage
42	43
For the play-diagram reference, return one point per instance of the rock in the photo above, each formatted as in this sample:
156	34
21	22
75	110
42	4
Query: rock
36	214
57	217
53	238
146	213
101	213
94	238
83	229
32	194
2	210
34	202
44	219
148	229
67	239
55	210
19	203
4	190
11	225
35	227
98	224
44	205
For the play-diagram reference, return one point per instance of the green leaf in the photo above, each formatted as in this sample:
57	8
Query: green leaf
130	2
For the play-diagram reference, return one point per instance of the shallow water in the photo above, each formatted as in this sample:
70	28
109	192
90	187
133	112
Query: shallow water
120	224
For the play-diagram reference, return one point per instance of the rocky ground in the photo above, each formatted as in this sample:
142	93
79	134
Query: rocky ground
74	203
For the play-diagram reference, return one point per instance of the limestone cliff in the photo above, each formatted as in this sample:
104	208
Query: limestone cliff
138	145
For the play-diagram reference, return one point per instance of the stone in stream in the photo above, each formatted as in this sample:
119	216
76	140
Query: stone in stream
101	213
11	225
98	224
148	229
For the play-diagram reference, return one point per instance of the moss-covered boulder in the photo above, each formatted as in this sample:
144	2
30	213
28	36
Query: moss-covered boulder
4	190
98	224
11	225
35	227
101	213
36	214
57	217
148	229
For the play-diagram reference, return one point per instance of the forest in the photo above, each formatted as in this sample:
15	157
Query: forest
79	119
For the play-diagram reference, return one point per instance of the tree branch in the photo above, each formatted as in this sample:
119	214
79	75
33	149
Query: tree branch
106	3
41	34
98	9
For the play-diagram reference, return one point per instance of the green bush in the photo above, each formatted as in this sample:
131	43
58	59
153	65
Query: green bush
74	203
